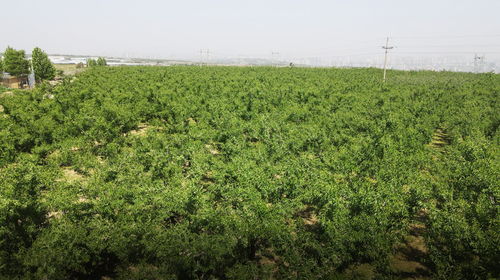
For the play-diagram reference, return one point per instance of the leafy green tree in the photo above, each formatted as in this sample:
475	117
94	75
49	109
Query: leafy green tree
43	68
1	65
22	214
15	62
91	62
101	61
244	173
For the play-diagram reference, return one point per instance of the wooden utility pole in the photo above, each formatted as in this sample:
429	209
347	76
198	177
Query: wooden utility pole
386	48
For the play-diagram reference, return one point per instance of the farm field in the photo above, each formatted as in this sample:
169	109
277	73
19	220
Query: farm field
251	173
69	69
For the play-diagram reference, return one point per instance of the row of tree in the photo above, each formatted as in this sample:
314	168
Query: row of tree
251	173
15	63
101	61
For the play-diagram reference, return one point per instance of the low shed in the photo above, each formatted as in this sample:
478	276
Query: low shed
14	82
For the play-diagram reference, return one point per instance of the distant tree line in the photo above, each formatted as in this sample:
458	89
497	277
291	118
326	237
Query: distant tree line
101	61
16	64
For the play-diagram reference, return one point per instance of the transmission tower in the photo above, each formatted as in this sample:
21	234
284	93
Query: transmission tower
386	48
204	56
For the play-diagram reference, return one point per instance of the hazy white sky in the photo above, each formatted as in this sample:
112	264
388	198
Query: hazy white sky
179	29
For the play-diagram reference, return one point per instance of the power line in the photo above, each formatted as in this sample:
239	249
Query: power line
412	54
444	52
447	36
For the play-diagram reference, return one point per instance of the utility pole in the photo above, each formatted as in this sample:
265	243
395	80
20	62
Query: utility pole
386	48
478	60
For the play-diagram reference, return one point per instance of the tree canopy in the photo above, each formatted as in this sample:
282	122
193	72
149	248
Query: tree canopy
101	61
91	62
43	68
251	173
15	62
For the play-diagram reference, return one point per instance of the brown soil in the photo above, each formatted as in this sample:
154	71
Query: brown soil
71	175
309	216
141	130
212	149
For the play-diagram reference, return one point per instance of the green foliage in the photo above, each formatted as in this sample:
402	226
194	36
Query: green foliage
91	62
43	68
101	61
22	213
15	63
246	173
1	65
